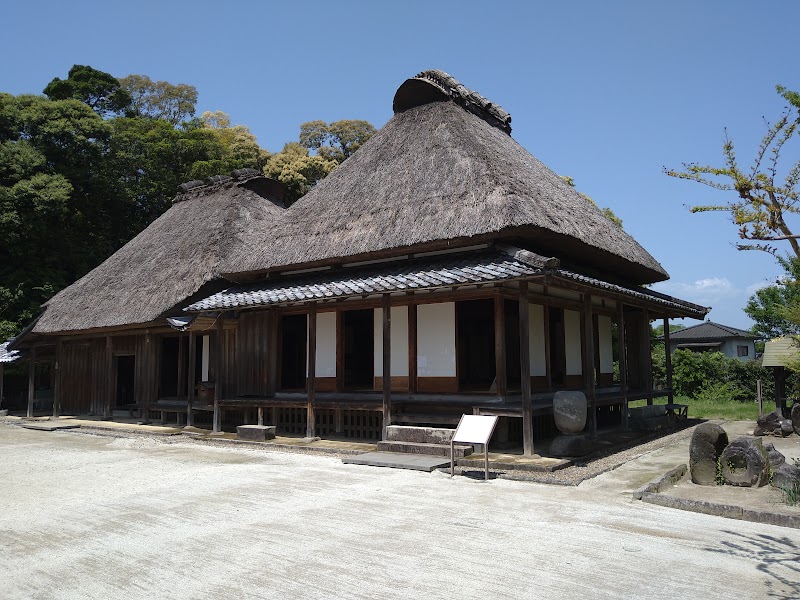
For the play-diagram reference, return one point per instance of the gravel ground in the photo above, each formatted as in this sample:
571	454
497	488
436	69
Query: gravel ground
85	516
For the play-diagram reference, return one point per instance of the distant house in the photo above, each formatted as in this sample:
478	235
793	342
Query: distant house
713	337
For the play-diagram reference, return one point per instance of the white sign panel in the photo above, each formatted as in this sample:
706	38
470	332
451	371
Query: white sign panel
475	429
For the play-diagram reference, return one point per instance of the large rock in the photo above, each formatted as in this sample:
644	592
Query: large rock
571	446
776	459
708	442
796	417
773	424
256	433
569	411
745	462
786	476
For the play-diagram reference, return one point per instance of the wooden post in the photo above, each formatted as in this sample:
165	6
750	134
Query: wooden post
217	427
668	360
647	357
57	379
339	351
525	369
387	364
500	344
109	362
548	374
1	386
181	367
622	356
311	423
191	381
412	349
31	380
760	398
588	360
272	352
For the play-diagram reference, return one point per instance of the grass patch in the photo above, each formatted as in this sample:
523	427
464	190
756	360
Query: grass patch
707	408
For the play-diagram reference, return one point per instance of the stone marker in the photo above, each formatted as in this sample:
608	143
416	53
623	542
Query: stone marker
708	442
571	445
256	433
773	424
569	412
796	417
745	462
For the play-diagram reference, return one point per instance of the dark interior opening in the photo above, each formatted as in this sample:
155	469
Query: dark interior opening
475	335
513	366
168	380
126	368
558	350
358	342
294	341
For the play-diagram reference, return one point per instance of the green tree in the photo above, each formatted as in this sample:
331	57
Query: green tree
764	202
159	99
336	141
771	308
297	169
101	91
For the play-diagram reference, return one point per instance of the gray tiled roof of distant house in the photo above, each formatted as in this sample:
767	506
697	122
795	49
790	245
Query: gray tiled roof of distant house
709	331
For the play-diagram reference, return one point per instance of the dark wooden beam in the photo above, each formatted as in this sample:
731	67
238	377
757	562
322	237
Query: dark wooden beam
525	369
311	424
623	362
500	344
192	377
217	426
57	378
588	360
647	357
1	386
668	360
339	351
273	338
109	366
387	363
412	349
31	380
181	365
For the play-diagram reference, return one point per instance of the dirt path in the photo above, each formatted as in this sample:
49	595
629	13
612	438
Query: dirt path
90	517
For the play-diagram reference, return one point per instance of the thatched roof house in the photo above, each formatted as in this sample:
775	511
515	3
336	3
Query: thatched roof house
441	254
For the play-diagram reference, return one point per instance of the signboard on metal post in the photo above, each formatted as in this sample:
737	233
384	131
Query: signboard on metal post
474	429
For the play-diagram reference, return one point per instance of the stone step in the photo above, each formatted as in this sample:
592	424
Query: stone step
419	435
460	450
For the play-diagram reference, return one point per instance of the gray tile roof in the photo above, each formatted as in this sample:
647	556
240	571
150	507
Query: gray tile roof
8	356
443	271
709	331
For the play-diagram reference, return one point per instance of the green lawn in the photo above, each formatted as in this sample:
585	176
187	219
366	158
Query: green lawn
716	409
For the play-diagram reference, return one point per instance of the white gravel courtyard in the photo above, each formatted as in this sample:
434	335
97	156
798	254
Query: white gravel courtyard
83	516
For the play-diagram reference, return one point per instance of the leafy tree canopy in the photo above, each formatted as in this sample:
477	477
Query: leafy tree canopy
772	308
159	99
764	199
101	91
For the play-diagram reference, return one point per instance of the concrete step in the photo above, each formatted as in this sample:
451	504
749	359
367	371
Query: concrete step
419	435
460	450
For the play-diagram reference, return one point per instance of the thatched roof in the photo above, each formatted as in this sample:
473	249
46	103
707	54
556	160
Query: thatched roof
443	171
169	261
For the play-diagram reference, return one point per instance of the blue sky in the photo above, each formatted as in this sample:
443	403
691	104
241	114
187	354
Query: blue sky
605	92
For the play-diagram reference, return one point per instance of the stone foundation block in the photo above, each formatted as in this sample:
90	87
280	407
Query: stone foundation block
255	433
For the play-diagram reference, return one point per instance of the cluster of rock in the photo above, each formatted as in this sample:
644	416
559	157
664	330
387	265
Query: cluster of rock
776	424
745	462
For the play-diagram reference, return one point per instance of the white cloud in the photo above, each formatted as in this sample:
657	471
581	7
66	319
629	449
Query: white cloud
705	291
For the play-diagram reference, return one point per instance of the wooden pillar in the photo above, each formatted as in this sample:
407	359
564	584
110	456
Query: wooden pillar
181	366
387	363
272	352
623	366
412	348
311	423
217	427
339	351
1	386
191	381
668	360
525	369
500	344
548	373
31	380
109	368
647	357
56	379
588	360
